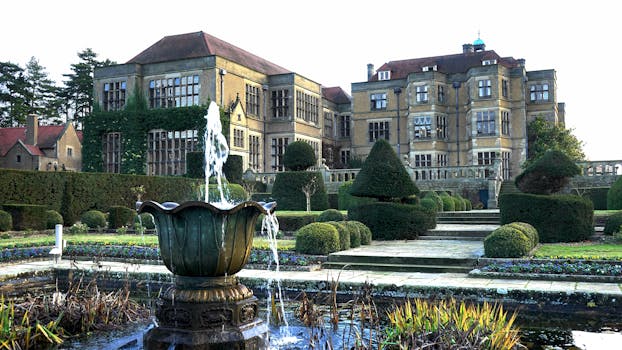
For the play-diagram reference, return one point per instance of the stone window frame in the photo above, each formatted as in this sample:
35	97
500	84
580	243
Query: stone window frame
421	93
378	101
485	123
484	88
170	92
280	103
378	129
111	152
114	94
539	92
252	99
166	150
422	127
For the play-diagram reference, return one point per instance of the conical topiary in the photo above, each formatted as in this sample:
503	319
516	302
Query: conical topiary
383	176
548	174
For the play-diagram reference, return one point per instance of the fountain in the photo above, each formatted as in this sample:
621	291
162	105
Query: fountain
204	245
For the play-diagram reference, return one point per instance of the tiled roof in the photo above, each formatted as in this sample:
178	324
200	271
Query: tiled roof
449	64
47	137
336	95
199	44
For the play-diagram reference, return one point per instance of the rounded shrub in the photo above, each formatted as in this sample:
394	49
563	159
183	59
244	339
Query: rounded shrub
613	223
330	215
344	234
52	218
146	220
448	203
528	230
299	156
94	219
355	234
119	216
318	238
547	174
412	199
467	204
6	221
429	203
506	242
364	232
436	198
614	195
458	203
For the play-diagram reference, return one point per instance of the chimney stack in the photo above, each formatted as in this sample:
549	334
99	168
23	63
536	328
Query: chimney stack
370	71
32	129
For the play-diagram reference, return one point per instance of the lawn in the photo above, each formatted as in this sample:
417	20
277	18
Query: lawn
583	250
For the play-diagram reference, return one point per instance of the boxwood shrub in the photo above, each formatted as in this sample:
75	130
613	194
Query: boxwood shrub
436	198
52	218
557	218
6	221
346	200
614	195
330	215
94	219
613	223
364	232
429	203
355	234
146	220
598	196
448	203
344	234
318	238
506	242
528	230
388	221
27	216
120	216
287	190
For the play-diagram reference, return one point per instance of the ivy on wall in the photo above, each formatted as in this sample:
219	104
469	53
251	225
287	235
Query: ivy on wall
134	122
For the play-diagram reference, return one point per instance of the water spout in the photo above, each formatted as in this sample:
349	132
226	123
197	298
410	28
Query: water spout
216	151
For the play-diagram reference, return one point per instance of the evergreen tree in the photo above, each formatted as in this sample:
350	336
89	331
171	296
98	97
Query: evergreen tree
14	95
383	175
44	100
543	136
78	92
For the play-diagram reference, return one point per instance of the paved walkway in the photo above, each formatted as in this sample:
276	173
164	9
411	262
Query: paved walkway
385	280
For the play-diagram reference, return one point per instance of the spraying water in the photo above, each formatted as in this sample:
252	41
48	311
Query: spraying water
216	152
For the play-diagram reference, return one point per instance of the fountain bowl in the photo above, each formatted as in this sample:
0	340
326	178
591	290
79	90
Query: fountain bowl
198	239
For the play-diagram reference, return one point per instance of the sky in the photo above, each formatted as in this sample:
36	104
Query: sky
332	41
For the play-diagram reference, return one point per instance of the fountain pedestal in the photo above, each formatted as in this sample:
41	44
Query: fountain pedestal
208	313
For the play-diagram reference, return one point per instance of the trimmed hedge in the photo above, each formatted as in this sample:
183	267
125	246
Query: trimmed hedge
506	242
318	238
287	191
613	223
330	215
344	234
52	218
347	201
448	203
72	193
598	196
233	169
389	221
146	220
429	203
547	174
557	218
355	234
436	198
6	221
27	216
528	230
291	222
94	219
364	231
120	216
614	195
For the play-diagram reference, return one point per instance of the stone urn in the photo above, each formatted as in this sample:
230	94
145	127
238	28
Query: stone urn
204	247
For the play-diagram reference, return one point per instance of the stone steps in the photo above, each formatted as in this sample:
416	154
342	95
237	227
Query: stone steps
400	264
397	267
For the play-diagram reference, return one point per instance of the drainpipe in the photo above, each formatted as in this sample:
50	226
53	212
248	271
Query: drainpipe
397	92
456	86
222	73
265	121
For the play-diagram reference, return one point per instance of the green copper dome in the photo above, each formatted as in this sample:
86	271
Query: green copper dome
478	42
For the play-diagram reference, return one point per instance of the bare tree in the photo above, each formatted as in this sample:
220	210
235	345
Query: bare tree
309	189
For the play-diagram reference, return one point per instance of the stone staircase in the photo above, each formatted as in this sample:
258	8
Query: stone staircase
472	225
400	264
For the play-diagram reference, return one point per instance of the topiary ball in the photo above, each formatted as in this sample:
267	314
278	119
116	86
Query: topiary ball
94	219
318	238
330	215
52	218
613	223
364	232
299	156
448	203
355	234
119	216
528	230
506	242
436	198
344	234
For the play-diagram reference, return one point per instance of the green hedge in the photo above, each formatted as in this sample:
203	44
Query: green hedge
389	221
528	230
290	222
287	191
614	195
506	242
52	218
27	216
344	234
6	221
94	219
71	193
557	218
318	238
613	223
364	231
330	215
120	216
598	196
448	203
355	234
435	197
347	201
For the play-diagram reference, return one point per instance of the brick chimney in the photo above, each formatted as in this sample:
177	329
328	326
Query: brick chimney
32	129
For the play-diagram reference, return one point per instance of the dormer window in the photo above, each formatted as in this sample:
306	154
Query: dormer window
384	75
488	62
433	68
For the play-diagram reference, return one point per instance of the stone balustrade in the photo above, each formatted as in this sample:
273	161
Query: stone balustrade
601	168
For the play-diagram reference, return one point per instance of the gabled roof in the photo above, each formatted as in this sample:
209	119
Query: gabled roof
336	95
33	150
449	64
47	135
199	44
